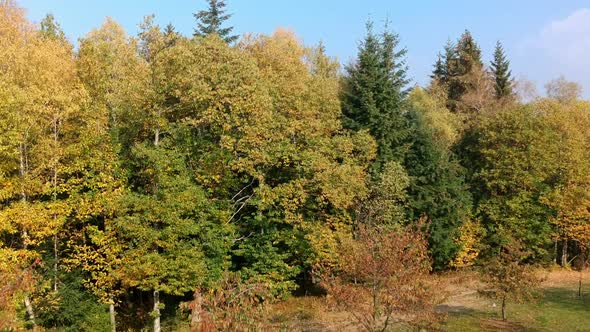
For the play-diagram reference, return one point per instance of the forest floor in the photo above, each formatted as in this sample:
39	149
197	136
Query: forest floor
557	308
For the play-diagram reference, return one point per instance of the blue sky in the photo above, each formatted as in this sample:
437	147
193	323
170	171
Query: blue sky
543	38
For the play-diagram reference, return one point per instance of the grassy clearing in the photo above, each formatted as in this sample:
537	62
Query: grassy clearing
558	308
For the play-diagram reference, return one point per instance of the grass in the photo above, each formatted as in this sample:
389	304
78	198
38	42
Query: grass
558	308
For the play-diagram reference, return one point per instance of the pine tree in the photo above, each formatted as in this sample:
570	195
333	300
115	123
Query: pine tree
210	21
502	73
374	95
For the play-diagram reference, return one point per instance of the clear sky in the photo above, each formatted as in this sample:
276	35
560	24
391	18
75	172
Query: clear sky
543	38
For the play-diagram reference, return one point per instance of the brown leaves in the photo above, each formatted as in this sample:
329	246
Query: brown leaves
383	277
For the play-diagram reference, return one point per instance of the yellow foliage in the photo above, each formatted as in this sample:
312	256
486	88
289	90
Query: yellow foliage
470	236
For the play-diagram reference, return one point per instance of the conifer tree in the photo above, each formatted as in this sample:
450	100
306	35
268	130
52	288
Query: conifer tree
374	95
437	190
51	29
211	21
502	74
468	53
444	65
439	69
467	61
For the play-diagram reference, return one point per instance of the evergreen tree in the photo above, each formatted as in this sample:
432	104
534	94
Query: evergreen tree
502	73
439	69
445	62
437	190
51	29
210	21
468	53
465	60
374	95
171	36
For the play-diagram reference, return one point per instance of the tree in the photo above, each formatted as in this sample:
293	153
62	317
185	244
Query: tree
166	226
480	95
525	90
502	74
308	170
116	79
437	189
464	63
570	196
387	200
49	28
562	90
46	165
383	278
438	73
513	167
373	96
509	276
444	65
210	21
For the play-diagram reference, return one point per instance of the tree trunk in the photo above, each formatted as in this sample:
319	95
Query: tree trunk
156	312
30	312
25	235
564	253
112	316
55	262
54	180
196	312
504	308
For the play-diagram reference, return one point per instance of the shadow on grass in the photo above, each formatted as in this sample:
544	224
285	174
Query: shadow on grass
453	309
474	320
566	299
558	309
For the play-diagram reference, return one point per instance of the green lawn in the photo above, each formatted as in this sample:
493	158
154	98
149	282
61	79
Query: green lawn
558	309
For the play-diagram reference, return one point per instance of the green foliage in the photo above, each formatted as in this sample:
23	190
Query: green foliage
167	225
437	190
502	74
210	21
387	201
72	308
373	96
49	28
515	168
508	275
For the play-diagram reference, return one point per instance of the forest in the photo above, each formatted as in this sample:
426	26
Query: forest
163	182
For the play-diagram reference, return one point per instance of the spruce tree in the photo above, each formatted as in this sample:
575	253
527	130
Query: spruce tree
374	95
466	59
468	52
445	62
439	69
49	28
502	74
437	190
210	21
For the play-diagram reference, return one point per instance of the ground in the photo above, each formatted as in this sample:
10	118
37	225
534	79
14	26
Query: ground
558	308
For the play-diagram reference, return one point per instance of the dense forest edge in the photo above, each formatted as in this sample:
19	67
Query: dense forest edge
163	182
